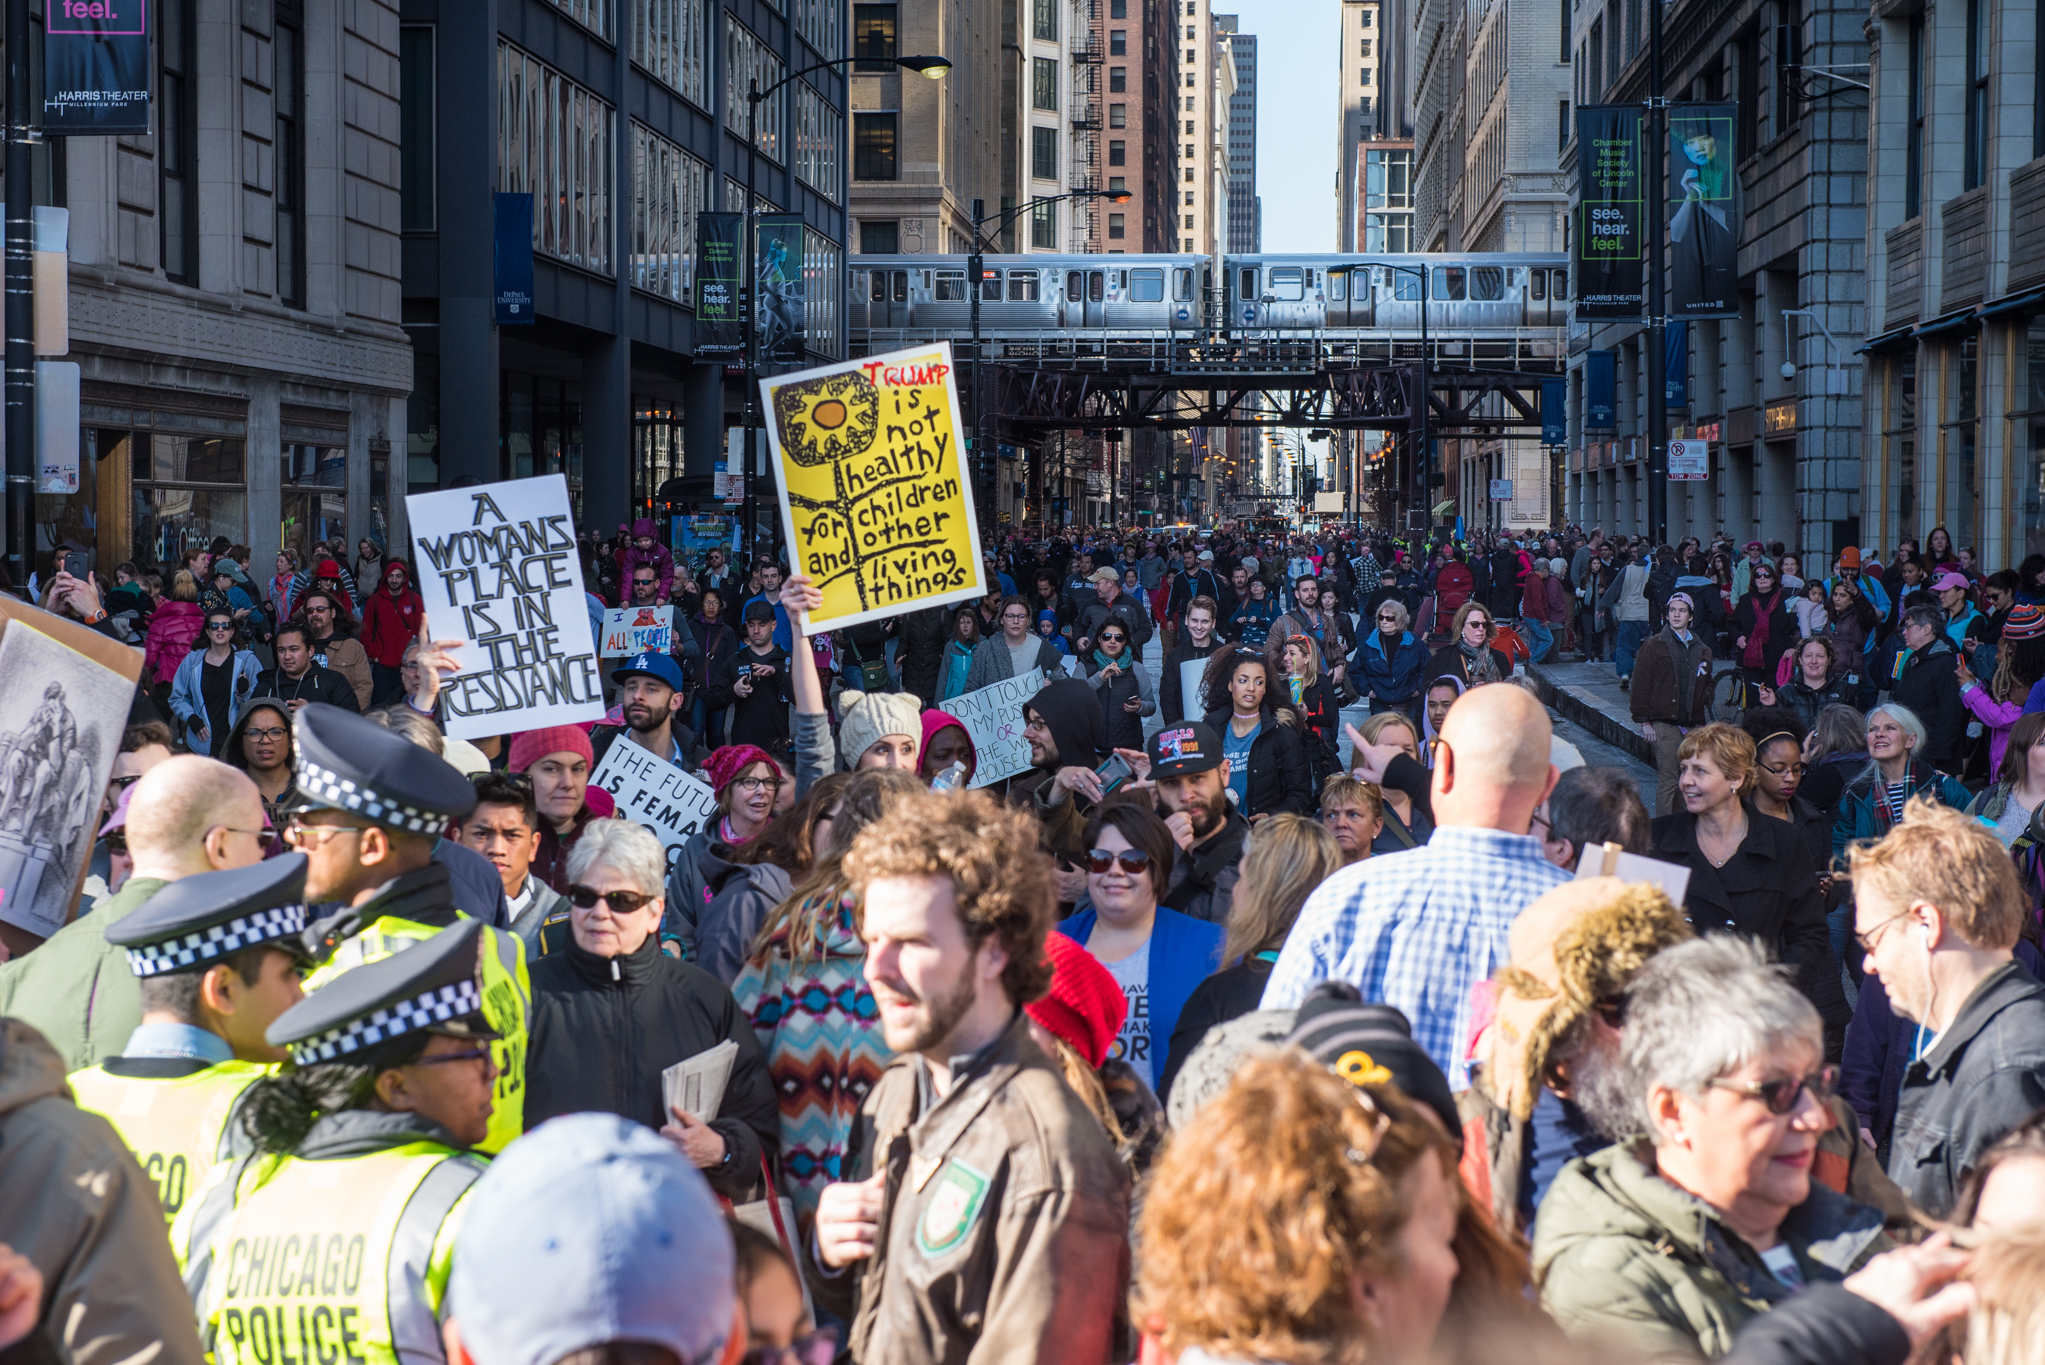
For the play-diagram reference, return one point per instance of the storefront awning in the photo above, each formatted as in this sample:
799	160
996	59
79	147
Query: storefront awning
2014	303
1949	322
1888	340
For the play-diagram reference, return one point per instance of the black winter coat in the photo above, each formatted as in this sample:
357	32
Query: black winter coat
1280	777
1931	689
1826	1324
762	716
1782	630
317	683
919	650
603	1029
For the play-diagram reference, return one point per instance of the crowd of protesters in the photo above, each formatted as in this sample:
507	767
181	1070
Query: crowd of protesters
1292	1006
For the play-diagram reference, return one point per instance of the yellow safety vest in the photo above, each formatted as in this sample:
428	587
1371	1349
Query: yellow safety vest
300	1271
507	1003
175	1125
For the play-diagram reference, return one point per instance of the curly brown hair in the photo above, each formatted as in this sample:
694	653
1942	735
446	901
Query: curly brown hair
1001	880
1264	1208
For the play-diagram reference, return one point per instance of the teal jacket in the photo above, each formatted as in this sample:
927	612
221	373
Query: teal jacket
1862	814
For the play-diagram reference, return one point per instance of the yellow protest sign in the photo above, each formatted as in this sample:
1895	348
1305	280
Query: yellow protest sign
875	493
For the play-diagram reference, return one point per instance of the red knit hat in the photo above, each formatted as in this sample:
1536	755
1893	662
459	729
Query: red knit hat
530	746
728	762
1084	1007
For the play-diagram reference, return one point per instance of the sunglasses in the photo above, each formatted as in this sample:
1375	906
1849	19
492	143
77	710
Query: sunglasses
1781	1095
818	1348
1113	639
1100	860
264	837
474	1055
621	902
220	625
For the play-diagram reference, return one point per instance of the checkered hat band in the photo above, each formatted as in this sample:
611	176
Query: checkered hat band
190	950
330	788
437	1006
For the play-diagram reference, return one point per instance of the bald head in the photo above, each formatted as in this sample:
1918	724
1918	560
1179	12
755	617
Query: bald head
190	815
1496	768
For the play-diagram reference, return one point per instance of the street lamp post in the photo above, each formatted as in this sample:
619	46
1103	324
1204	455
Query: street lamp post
935	68
976	267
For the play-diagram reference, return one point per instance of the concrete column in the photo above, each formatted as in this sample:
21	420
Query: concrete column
465	61
702	419
606	431
365	423
265	475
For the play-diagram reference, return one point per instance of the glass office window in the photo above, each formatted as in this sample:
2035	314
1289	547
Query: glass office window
669	188
670	42
819	132
554	142
748	62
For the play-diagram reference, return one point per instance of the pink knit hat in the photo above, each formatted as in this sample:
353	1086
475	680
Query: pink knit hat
723	766
530	746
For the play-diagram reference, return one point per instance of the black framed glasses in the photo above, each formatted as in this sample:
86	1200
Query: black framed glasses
220	625
481	1054
1108	639
1100	860
621	902
1782	1094
264	837
269	734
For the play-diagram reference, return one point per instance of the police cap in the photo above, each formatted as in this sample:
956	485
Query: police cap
431	987
194	922
348	763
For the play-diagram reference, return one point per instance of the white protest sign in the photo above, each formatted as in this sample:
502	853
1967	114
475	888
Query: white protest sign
1189	688
653	792
638	630
498	569
993	720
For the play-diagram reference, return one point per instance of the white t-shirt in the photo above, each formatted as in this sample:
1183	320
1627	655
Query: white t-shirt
1133	1043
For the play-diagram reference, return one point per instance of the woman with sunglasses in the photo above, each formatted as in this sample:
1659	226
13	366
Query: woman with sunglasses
260	746
1157	956
1763	626
1470	657
611	1012
1390	660
1122	684
212	685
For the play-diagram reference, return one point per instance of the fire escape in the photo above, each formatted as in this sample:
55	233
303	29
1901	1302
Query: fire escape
1089	51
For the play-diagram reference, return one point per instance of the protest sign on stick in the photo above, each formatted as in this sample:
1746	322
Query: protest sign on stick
638	630
499	571
875	495
993	720
655	793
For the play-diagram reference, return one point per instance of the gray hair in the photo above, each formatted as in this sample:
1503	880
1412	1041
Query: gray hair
1929	617
417	730
1700	1009
630	850
1904	717
1398	610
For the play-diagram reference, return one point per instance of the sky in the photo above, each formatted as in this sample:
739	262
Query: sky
1297	90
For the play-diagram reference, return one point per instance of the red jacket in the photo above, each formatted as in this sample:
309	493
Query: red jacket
390	622
172	629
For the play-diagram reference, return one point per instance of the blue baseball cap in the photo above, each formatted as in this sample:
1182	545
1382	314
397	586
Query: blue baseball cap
653	666
591	1229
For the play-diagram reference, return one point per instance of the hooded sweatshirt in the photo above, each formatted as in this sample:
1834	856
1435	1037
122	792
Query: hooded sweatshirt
659	557
933	721
391	620
1073	715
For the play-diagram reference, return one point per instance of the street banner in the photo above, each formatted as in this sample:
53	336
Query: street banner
1609	258
994	722
638	630
719	244
1554	412
95	67
782	317
655	793
1704	212
1600	389
511	259
57	426
1676	364
498	568
874	499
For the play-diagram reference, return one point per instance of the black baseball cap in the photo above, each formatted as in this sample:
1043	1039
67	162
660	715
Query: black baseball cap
1183	750
1372	1045
757	610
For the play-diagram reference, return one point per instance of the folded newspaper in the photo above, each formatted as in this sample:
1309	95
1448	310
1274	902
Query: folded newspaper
696	1084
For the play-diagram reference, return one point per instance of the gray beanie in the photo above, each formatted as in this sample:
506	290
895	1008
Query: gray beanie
865	717
1212	1065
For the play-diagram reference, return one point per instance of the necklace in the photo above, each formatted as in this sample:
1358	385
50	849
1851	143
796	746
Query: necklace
1738	837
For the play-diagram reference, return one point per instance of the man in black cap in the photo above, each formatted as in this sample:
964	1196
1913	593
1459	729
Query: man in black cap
219	957
340	1249
374	809
1186	764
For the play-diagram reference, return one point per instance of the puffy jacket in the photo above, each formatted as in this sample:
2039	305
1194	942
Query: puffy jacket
1863	814
741	898
1452	587
1930	687
1805	701
188	703
172	629
659	557
391	620
1394	680
1620	1251
1281	778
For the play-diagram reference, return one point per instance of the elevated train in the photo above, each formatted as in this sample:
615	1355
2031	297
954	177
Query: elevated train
1026	297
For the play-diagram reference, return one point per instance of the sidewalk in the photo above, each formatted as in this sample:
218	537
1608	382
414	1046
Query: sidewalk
1589	694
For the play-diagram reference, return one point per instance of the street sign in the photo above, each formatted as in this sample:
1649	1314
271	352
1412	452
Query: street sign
1501	490
1689	461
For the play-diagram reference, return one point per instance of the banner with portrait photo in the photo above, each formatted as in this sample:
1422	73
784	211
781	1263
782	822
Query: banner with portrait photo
1704	217
1609	257
782	318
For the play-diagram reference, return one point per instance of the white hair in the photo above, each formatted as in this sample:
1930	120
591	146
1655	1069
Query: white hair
1700	1009
1904	717
630	850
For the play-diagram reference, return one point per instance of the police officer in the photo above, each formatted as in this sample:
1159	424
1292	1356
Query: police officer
331	1240
218	956
373	807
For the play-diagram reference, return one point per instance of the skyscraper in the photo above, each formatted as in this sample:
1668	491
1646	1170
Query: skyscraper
1245	208
1374	101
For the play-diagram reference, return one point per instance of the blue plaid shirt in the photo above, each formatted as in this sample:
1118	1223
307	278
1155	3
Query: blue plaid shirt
1417	930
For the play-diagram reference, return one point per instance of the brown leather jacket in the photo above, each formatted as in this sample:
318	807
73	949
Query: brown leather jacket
1004	1237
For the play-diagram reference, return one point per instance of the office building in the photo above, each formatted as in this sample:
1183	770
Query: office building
1245	206
1145	99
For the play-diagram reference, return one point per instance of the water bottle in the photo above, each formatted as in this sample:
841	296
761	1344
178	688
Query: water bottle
951	779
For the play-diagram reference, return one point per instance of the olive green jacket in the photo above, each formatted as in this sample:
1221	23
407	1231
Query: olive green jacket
76	988
1621	1252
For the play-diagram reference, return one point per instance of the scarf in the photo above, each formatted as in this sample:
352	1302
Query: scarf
1757	643
1479	664
1102	661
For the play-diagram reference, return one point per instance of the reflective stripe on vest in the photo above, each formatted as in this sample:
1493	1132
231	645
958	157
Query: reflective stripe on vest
507	1003
340	1262
175	1126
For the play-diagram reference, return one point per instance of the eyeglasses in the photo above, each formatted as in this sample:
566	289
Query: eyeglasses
1113	639
818	1348
1781	1095
267	735
643	582
1388	620
481	1054
1100	860
220	625
123	783
265	837
1867	938
297	831
757	784
621	902
1788	770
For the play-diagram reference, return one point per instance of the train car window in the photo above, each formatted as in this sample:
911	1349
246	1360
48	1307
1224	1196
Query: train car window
1537	284
880	286
1450	283
1146	286
1074	290
1338	285
990	286
951	285
1487	284
1022	286
1562	286
1246	284
1406	286
1182	285
901	286
1096	284
1286	282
